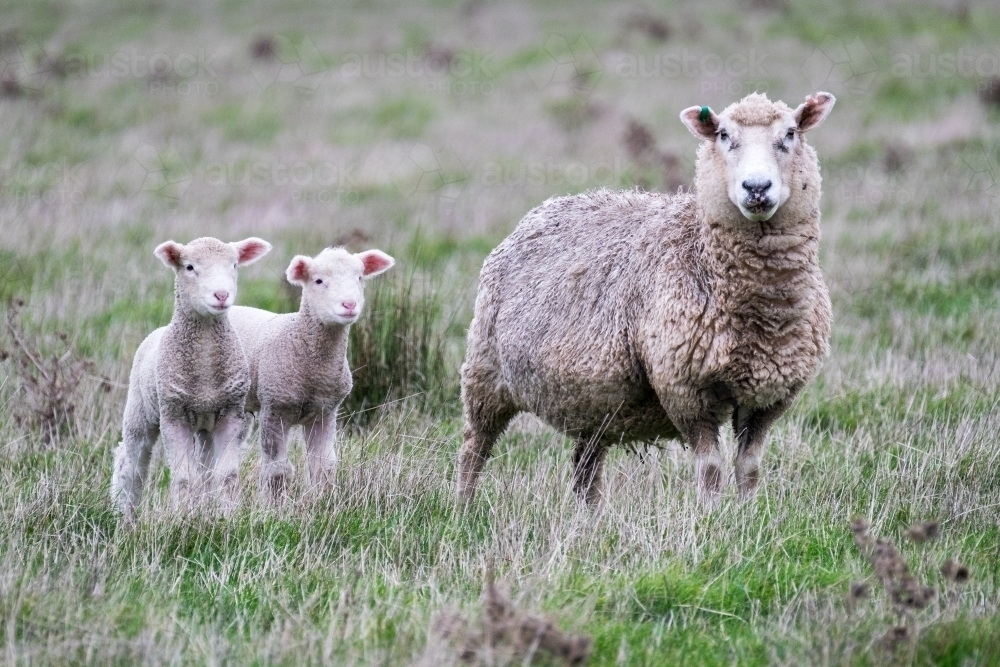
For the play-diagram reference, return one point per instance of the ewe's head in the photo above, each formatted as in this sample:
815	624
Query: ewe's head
206	270
333	282
758	144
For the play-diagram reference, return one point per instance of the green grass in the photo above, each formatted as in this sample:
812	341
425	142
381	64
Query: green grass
900	426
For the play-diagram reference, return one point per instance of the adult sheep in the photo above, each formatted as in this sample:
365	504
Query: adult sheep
622	317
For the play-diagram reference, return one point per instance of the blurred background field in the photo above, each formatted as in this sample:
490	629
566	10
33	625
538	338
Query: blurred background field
428	130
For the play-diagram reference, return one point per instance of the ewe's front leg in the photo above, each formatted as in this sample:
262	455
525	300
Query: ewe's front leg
751	427
274	467
321	449
225	441
182	459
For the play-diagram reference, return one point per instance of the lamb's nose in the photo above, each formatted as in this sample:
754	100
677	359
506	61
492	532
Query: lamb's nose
221	296
756	187
349	305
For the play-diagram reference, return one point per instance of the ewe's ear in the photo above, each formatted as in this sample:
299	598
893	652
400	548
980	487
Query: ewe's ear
298	271
701	121
375	262
814	111
169	252
250	250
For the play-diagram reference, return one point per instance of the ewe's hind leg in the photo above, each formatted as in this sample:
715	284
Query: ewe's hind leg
225	442
703	438
487	413
321	449
751	427
588	469
131	466
274	467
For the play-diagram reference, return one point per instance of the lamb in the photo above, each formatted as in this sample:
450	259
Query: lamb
629	317
299	374
189	381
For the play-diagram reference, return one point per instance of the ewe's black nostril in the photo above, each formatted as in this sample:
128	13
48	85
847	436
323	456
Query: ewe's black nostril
756	187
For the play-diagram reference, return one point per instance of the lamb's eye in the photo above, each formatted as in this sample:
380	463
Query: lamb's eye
319	281
190	267
790	135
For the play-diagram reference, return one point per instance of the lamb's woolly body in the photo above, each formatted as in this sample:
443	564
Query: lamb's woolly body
631	316
189	380
299	376
299	373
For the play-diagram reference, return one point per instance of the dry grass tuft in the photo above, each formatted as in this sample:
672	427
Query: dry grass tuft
263	47
49	384
506	634
640	145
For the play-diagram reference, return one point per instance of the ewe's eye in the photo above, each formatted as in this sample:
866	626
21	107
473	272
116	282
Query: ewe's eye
790	135
723	135
319	281
190	267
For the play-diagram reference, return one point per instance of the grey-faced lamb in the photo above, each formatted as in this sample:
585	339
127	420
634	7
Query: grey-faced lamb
189	381
299	373
624	317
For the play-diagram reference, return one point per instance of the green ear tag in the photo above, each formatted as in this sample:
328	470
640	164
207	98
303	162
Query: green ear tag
703	116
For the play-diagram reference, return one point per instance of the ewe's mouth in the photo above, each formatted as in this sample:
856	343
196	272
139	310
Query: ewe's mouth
758	210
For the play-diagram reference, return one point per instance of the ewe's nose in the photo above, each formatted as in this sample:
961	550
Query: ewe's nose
756	187
349	305
221	296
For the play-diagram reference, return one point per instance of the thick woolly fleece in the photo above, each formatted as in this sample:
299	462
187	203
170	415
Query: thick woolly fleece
623	317
189	381
299	373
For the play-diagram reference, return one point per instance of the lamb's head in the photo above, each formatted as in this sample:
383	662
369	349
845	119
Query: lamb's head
333	282
756	146
206	270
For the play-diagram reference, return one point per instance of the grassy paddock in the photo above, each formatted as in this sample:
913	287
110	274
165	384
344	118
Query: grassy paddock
326	142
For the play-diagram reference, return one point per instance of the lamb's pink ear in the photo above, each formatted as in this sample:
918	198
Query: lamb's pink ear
169	252
250	250
701	121
298	271
814	111
375	262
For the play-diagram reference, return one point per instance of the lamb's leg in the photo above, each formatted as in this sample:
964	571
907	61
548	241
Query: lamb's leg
751	427
183	460
588	469
132	462
225	440
321	449
274	468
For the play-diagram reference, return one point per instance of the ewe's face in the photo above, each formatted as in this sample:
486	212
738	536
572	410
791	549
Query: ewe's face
758	164
333	283
206	270
758	142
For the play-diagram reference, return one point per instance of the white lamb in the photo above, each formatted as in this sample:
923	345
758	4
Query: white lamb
189	381
299	374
